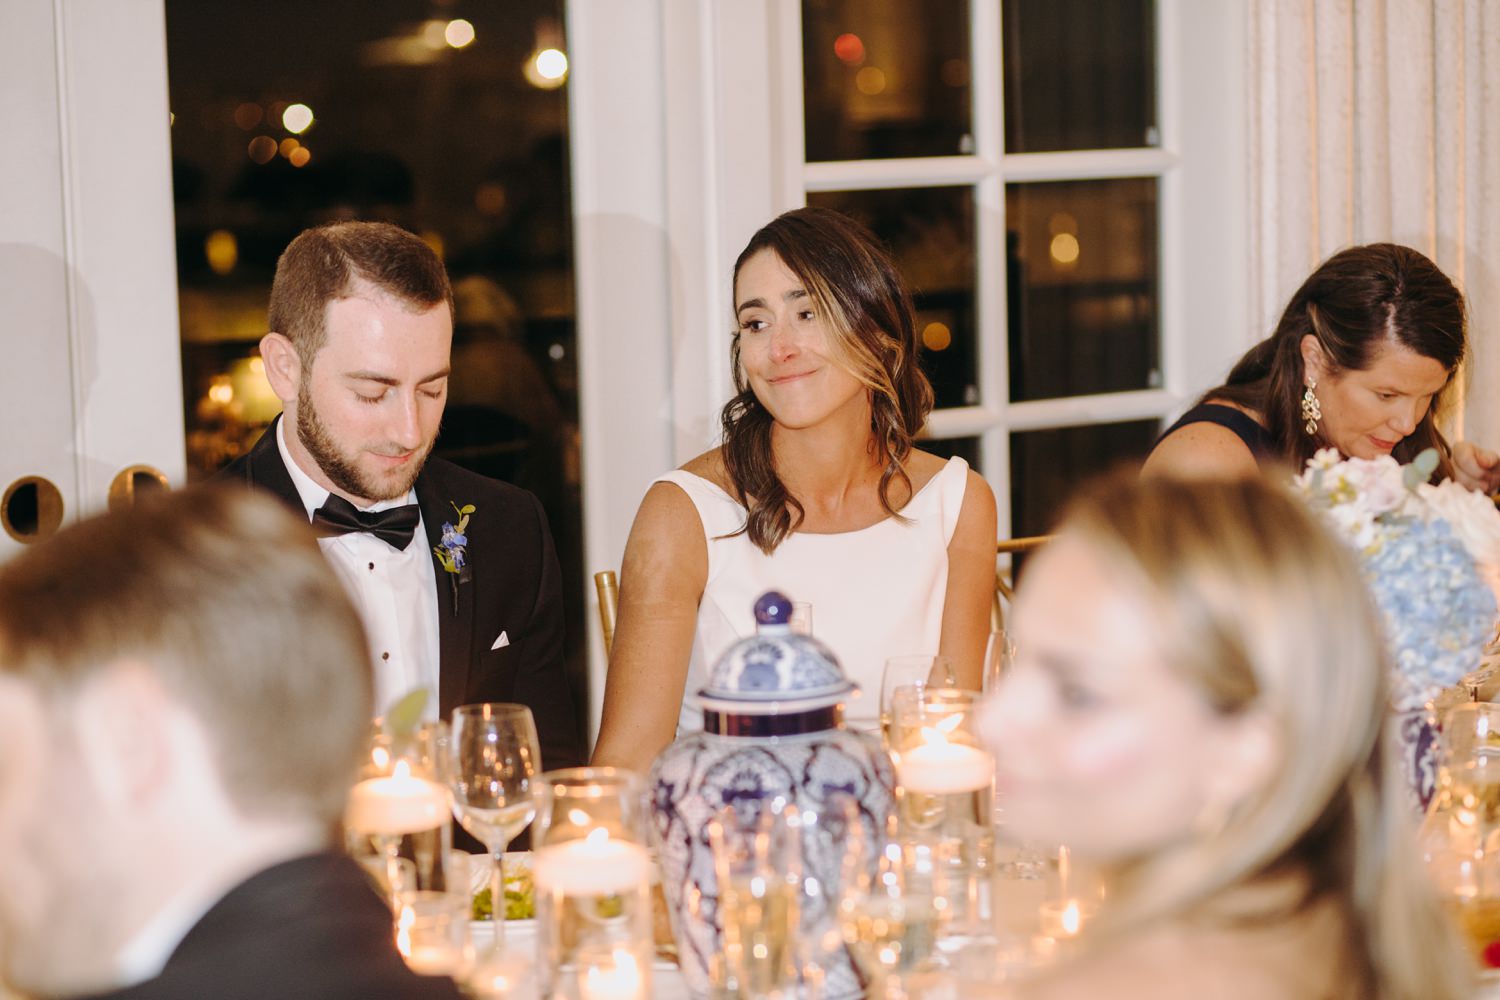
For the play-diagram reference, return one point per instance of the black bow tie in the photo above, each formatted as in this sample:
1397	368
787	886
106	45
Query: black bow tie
394	526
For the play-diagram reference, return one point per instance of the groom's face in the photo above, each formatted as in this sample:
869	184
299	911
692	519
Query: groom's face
369	405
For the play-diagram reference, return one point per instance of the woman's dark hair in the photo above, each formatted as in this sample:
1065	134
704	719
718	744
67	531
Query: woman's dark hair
1359	299
855	287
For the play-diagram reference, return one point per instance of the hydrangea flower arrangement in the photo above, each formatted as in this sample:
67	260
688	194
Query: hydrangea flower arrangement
1431	555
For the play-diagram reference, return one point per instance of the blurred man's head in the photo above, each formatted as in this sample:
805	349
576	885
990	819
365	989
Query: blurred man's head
183	685
361	319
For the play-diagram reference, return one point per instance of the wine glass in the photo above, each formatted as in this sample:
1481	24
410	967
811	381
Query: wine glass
887	909
999	654
494	757
915	672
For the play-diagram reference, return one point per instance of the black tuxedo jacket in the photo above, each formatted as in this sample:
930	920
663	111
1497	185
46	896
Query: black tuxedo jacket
307	929
515	590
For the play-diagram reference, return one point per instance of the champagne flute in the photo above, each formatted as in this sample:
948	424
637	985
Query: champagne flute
494	757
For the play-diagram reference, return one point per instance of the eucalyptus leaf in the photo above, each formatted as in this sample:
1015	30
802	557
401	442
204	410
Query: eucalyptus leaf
406	715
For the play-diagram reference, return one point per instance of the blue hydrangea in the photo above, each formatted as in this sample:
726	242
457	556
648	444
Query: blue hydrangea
1438	611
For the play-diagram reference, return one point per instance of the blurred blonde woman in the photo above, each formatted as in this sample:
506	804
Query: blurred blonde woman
1196	709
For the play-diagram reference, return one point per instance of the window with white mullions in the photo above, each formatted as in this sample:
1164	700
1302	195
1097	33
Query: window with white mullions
1010	152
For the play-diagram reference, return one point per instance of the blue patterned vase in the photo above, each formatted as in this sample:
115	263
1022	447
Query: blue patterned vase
1416	738
773	735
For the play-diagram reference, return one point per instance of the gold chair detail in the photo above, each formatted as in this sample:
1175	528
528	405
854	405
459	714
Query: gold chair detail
1005	576
607	585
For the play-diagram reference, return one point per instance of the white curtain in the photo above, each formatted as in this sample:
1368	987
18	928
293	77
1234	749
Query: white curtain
1379	120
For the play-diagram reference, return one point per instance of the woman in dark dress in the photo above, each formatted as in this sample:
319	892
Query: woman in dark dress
1363	361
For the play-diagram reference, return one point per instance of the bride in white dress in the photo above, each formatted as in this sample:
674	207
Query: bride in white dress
816	492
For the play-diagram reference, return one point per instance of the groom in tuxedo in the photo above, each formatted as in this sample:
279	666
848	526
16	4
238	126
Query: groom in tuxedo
454	574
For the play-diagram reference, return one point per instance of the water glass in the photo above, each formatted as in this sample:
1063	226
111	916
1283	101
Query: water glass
757	852
432	932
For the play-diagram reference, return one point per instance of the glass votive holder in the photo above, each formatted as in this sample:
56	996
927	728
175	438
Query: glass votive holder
613	972
592	875
398	814
432	932
945	778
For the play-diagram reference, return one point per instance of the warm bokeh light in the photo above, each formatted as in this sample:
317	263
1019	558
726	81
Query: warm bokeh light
287	145
297	118
435	35
1062	222
300	157
552	64
434	239
1064	248
262	148
458	33
248	115
849	48
221	392
870	81
489	198
221	250
547	69
936	336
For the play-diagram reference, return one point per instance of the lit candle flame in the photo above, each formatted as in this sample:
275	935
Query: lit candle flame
1072	919
403	930
934	735
597	837
403	770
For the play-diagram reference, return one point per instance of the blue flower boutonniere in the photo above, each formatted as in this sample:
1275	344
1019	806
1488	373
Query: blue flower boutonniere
452	549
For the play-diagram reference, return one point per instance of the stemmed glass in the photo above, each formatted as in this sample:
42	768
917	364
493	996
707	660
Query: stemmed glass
999	654
916	673
494	757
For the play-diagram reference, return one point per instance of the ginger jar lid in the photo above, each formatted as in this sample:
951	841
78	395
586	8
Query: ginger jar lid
775	671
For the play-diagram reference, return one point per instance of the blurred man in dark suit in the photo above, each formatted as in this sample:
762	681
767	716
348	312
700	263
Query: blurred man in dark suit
184	703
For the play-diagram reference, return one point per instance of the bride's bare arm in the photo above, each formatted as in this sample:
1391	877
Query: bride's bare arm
971	582
661	583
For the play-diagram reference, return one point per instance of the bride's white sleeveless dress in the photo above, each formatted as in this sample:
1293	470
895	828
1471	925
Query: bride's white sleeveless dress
875	593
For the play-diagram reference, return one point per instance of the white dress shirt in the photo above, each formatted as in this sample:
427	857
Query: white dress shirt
395	592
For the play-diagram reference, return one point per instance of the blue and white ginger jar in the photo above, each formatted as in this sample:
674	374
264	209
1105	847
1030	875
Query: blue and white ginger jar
773	734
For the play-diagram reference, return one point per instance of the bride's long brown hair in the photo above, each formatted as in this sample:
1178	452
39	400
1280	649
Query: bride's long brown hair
855	286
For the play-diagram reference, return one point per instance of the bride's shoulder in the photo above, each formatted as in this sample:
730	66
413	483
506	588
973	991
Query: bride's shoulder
710	466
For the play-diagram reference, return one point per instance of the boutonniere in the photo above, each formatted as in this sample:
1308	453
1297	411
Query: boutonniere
452	549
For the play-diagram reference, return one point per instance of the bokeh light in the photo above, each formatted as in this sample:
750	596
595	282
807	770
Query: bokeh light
297	118
221	250
870	81
936	336
458	33
849	48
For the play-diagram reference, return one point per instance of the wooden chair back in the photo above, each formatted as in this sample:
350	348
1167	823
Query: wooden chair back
608	587
1006	550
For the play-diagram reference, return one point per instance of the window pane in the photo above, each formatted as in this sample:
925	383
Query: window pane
965	448
885	79
1082	278
930	232
1047	466
1079	74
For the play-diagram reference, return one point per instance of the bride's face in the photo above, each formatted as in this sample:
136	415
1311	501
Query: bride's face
1098	744
785	347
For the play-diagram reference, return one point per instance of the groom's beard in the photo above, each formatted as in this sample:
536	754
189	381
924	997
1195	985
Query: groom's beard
342	469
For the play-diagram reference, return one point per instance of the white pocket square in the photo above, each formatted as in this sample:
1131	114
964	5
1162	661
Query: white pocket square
501	641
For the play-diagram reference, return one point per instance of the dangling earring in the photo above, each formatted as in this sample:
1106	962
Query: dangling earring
1312	410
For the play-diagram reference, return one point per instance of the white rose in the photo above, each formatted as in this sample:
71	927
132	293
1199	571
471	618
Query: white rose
1472	517
1377	483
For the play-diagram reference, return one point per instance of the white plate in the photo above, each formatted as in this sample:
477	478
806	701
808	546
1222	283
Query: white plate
479	879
